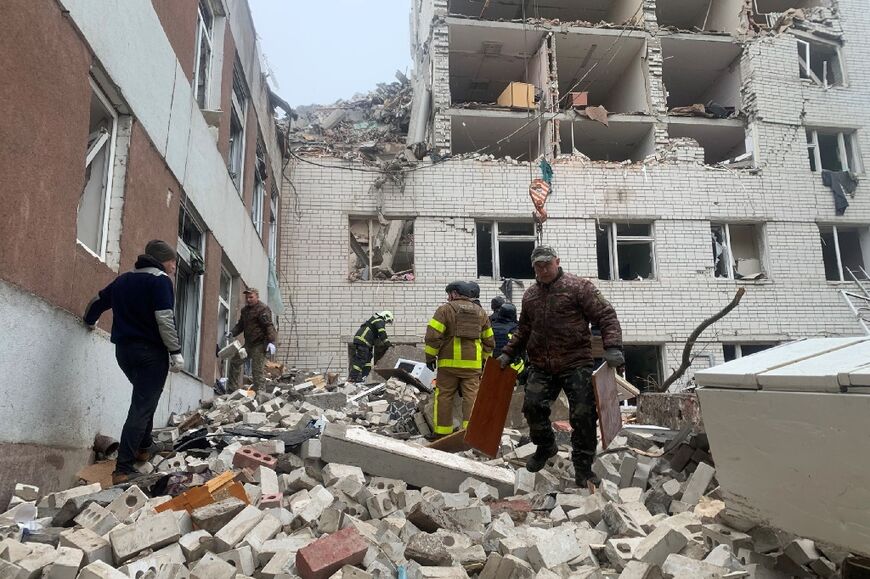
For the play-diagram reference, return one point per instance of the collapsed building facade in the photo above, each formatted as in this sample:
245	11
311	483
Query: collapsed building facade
126	122
690	144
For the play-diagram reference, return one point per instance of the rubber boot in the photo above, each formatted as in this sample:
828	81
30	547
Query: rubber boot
539	460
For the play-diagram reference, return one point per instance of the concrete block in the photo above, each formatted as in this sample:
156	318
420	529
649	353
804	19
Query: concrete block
128	503
511	567
620	521
66	564
715	534
212	567
354	489
490	569
516	545
235	530
213	517
524	482
660	543
98	519
428	549
334	472
328	554
589	536
405	500
11	570
174	571
57	500
672	488
429	518
268	480
251	458
478	489
630	495
680	566
148	533
94	547
589	508
823	568
381	483
723	556
297	480
318	499
388	457
472	518
639	570
380	505
549	552
802	551
626	470
442	573
100	570
242	559
311	449
151	563
620	551
195	544
642	472
25	492
273	547
268	527
39	557
698	483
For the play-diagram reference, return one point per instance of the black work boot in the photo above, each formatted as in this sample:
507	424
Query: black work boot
542	454
584	477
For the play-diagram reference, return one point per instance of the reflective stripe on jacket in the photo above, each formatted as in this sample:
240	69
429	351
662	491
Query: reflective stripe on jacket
373	331
459	335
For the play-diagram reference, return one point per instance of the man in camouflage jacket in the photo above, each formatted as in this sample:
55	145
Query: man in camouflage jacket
554	332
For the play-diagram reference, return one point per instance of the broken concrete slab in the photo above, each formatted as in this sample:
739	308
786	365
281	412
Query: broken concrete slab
384	456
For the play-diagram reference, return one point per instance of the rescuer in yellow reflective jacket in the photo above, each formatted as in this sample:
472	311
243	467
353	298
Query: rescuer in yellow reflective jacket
459	337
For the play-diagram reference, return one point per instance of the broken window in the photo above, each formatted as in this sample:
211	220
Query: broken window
736	251
381	251
626	251
705	15
820	62
723	141
702	71
273	225
504	249
844	251
831	150
204	50
734	351
224	323
259	200
643	366
777	7
237	127
188	284
92	218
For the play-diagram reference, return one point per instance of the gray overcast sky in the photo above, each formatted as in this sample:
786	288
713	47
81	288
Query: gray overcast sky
320	52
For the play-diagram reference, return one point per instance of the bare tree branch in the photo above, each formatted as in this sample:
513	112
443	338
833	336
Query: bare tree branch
693	337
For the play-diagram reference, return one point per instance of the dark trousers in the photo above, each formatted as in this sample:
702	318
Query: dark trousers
542	389
146	366
360	363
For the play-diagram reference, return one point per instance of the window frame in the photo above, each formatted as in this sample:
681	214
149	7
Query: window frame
496	237
369	249
273	225
109	142
238	113
257	203
613	239
191	366
225	304
861	231
847	160
758	233
805	71
203	31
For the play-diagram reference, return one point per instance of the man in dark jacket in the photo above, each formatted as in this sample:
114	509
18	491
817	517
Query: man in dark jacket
146	345
494	305
255	320
370	335
554	331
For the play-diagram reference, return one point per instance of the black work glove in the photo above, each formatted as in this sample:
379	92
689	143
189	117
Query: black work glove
387	345
503	361
614	357
431	365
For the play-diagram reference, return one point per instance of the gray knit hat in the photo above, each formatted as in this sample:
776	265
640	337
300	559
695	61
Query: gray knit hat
160	250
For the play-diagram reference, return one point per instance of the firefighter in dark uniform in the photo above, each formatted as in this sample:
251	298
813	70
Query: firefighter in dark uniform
372	334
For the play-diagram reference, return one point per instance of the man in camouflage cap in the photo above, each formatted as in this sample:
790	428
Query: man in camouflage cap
554	331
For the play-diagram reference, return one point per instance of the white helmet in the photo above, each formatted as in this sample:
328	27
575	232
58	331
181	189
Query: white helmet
387	315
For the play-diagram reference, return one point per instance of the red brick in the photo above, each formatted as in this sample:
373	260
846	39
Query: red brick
270	501
327	555
248	457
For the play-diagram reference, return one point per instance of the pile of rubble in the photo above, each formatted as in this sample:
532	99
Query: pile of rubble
301	481
367	127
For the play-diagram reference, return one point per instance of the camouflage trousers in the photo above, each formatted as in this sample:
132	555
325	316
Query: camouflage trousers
542	389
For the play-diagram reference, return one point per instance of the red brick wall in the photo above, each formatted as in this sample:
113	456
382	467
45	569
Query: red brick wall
178	18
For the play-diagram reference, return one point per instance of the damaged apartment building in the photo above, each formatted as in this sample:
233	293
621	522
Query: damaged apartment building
696	147
124	122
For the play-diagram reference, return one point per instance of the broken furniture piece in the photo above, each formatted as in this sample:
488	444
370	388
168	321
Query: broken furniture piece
518	95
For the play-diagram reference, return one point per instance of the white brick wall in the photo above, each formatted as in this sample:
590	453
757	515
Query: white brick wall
680	198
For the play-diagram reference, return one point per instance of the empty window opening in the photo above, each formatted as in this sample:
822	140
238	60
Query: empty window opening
736	251
780	6
722	141
820	62
259	200
92	218
484	61
831	150
502	134
734	351
703	15
845	250
643	366
204	50
566	11
504	249
381	251
697	71
625	251
188	285
238	117
621	141
224	322
614	79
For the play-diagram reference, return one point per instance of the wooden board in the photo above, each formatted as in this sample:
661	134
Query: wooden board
607	401
451	443
490	410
